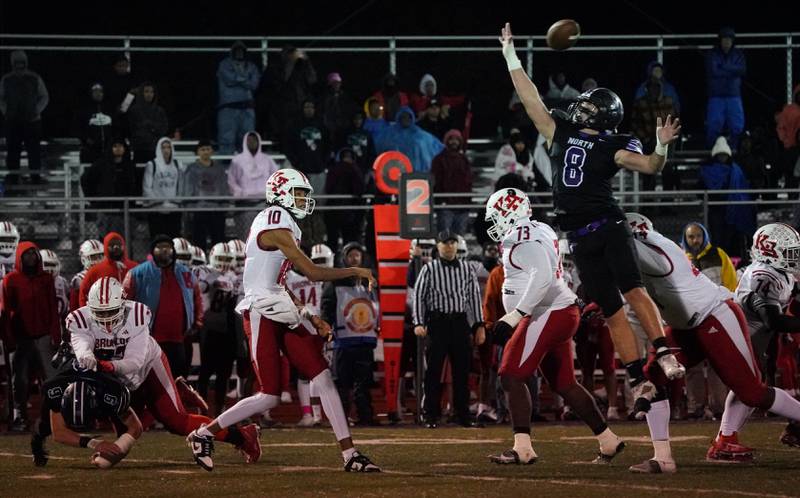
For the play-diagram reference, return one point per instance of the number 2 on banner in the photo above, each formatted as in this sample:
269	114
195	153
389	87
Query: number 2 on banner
419	197
573	167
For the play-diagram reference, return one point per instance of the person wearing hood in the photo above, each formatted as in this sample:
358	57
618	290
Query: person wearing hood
731	226
344	178
725	67
337	109
23	97
171	292
560	92
354	312
237	80
31	326
655	72
308	146
113	175
653	105
428	90
148	123
452	173
162	183
93	125
247	175
206	178
389	96
405	136
374	124
515	157
115	264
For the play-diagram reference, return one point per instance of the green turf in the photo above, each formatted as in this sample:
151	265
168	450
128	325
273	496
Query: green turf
418	462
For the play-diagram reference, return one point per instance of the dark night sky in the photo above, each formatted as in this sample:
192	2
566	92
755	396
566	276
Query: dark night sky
184	81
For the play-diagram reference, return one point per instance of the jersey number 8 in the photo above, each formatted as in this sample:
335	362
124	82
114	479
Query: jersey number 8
573	166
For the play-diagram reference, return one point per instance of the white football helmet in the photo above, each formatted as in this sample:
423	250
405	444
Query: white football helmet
777	245
236	246
639	224
91	252
106	303
50	262
220	257
426	247
322	255
9	239
461	248
281	190
503	209
183	251
198	257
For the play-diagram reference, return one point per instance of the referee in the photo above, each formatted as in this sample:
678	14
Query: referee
446	312
586	153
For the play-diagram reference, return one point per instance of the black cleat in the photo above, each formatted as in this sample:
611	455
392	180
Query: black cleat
360	463
37	449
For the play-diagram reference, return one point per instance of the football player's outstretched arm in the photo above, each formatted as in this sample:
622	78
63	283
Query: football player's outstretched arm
652	163
526	90
282	239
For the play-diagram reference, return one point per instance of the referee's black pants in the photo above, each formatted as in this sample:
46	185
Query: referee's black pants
448	336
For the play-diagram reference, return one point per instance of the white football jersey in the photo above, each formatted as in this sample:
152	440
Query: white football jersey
62	295
215	288
683	294
308	292
265	269
129	346
529	248
774	286
76	280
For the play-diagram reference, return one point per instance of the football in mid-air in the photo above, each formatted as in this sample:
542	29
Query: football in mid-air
563	34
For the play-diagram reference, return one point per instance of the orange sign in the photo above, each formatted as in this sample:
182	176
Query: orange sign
388	168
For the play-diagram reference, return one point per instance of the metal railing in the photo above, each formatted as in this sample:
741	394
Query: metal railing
394	45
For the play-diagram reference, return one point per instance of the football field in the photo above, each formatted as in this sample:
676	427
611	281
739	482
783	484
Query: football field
416	462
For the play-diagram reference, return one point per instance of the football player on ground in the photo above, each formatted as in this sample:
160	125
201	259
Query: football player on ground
704	323
272	320
541	318
112	335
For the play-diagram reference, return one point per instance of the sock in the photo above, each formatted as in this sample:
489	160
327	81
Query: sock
203	431
332	404
316	409
348	453
306	410
304	394
661	346
785	405
635	371
247	407
658	423
734	416
608	442
662	451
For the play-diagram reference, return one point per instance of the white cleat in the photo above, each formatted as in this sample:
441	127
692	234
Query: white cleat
202	449
604	459
671	366
512	457
306	421
654	467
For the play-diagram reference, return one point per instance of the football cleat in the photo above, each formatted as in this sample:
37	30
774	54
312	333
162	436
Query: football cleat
251	448
604	459
306	421
202	449
286	397
671	366
654	467
360	463
40	455
512	457
189	396
791	435
726	449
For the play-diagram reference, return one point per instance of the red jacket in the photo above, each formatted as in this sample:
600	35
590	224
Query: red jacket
30	308
106	268
451	172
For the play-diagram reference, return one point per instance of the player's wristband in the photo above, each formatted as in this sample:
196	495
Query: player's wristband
125	442
661	149
89	442
513	62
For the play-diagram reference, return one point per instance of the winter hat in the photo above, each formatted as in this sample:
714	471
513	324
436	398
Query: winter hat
721	147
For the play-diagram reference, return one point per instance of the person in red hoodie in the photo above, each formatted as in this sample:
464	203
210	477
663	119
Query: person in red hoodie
31	326
116	264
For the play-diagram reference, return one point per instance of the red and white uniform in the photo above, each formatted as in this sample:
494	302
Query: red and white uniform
62	295
704	320
75	289
534	285
138	361
308	292
272	322
774	286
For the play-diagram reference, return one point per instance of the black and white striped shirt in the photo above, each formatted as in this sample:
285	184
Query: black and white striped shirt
447	287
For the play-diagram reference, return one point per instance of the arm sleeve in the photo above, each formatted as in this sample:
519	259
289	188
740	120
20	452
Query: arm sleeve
532	255
419	307
135	351
728	271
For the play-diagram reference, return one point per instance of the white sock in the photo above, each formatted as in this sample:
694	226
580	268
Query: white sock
346	454
252	405
316	410
608	442
785	405
332	404
304	392
203	431
613	410
663	452
658	420
734	416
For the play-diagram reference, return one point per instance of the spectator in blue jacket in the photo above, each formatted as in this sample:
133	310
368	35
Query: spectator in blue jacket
725	67
237	79
655	72
405	136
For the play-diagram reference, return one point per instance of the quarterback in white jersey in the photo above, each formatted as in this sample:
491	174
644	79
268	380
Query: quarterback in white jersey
705	324
112	335
542	316
272	319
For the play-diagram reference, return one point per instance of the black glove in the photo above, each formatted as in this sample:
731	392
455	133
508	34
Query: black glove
501	333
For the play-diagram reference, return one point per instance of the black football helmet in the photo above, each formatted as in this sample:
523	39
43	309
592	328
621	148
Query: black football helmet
609	111
87	399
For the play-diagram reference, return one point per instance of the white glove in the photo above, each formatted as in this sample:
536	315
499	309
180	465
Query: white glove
88	362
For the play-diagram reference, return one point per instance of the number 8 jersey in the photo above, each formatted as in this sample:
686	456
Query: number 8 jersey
583	165
265	268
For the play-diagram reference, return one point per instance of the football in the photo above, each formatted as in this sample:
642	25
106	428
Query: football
563	34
